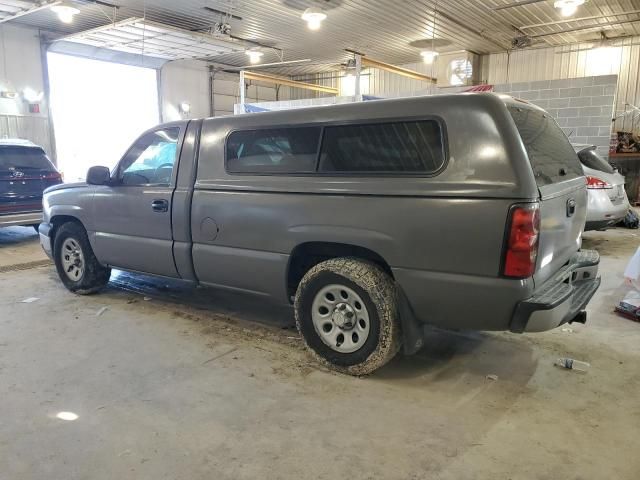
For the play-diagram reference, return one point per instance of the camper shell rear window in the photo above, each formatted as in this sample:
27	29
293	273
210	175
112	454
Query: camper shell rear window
552	157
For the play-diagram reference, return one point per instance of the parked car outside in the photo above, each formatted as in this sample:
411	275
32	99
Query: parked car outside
373	219
607	199
25	172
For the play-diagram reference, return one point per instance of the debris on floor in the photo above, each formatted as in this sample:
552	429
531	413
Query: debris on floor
492	377
631	220
629	307
571	364
30	300
101	311
567	330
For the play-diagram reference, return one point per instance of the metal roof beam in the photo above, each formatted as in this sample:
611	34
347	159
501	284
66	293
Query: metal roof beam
590	27
405	72
580	19
262	77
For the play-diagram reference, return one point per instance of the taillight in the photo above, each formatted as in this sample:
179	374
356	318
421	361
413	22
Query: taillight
522	243
594	183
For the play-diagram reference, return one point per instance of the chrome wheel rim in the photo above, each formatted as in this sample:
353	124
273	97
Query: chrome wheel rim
340	318
72	259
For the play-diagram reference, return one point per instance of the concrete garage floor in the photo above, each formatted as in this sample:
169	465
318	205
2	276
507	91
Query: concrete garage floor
166	389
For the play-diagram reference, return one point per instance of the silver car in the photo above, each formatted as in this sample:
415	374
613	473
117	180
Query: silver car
607	199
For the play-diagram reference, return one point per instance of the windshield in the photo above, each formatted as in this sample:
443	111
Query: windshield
24	158
552	157
591	159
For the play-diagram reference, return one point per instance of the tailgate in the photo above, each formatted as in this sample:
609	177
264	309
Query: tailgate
563	212
20	194
562	187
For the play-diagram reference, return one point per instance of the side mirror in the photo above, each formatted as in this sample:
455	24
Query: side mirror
98	176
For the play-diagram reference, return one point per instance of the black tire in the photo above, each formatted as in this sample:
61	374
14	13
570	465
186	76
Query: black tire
94	276
377	291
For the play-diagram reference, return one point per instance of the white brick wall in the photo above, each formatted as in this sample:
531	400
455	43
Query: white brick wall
583	107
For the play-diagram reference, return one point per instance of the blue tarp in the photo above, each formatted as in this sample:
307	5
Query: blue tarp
248	108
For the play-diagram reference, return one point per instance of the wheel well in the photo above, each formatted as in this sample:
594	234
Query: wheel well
59	220
307	255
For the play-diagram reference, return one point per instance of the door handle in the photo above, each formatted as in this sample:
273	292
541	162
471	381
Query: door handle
571	207
160	205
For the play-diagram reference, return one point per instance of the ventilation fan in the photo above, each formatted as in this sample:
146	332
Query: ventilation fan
521	42
459	72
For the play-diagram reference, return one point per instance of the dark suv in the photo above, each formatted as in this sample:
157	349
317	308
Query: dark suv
25	172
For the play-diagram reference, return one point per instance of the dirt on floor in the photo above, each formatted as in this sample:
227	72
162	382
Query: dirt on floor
174	383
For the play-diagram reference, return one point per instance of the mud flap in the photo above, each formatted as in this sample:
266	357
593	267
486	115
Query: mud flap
412	328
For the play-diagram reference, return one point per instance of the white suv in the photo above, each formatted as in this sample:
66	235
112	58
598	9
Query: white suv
608	202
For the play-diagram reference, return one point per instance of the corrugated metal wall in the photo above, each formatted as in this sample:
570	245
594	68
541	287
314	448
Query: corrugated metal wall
573	62
554	63
373	82
21	67
31	128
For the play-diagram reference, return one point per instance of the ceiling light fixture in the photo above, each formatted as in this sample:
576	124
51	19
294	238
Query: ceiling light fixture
568	7
65	11
428	56
314	17
68	416
254	55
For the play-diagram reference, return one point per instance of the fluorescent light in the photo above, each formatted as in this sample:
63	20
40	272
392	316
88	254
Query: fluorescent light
428	56
65	12
568	7
254	55
314	17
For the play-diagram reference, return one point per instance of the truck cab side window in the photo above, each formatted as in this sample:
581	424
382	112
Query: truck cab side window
278	150
151	159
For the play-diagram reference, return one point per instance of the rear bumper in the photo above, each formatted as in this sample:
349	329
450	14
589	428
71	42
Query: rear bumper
17	219
562	299
602	212
601	224
45	238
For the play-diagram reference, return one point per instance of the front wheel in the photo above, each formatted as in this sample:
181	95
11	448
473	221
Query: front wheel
346	311
77	266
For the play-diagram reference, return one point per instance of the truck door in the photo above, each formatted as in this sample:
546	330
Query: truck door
133	214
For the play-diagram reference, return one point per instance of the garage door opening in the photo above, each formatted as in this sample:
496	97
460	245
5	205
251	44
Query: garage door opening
98	109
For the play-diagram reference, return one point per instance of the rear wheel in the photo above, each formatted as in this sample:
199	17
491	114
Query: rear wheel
346	311
77	266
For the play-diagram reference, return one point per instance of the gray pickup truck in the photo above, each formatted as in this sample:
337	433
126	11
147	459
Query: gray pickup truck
373	219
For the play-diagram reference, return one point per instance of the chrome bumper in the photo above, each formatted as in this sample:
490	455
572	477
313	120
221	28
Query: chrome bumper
563	298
